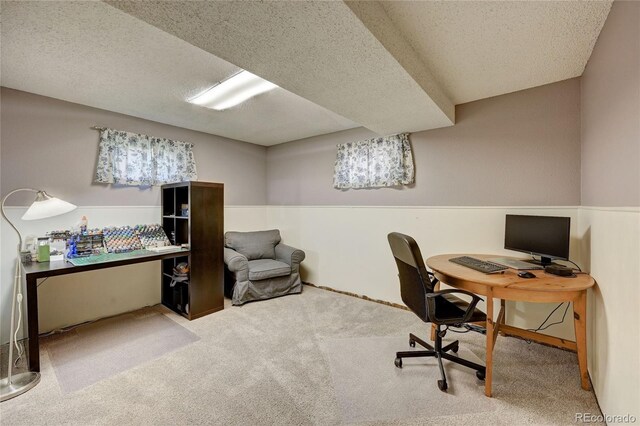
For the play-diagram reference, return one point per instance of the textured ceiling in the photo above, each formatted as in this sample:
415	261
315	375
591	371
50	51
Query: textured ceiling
319	50
388	66
481	49
93	54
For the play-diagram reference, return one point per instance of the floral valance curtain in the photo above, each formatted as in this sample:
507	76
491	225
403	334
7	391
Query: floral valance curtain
133	159
374	163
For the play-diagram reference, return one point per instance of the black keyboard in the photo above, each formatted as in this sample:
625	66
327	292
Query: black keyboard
478	265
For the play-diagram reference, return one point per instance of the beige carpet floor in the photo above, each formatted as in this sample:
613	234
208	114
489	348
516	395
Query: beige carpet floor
372	392
277	362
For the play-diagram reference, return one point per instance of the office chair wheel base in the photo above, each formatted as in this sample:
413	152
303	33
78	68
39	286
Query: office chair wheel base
442	385
480	375
412	343
398	362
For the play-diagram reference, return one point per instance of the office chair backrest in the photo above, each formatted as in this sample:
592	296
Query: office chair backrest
414	280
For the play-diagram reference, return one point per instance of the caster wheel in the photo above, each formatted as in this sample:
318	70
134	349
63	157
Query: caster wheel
412	343
398	362
480	375
442	385
455	349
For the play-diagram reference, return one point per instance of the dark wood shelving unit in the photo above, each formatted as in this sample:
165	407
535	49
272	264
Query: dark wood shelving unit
203	230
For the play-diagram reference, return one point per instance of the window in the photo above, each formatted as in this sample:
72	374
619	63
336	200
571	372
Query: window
374	163
139	160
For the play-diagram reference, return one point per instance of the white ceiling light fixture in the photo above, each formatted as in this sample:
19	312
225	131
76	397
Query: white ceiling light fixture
232	91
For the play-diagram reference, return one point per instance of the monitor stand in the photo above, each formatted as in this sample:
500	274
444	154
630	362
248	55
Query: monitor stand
544	261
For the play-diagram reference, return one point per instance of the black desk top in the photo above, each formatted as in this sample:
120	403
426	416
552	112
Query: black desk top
50	269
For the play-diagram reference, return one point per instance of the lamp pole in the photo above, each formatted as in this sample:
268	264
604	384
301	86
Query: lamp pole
44	206
4	214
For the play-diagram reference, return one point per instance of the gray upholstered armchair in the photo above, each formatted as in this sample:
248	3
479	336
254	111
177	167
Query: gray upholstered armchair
258	266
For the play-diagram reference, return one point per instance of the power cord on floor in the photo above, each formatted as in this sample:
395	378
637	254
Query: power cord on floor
69	328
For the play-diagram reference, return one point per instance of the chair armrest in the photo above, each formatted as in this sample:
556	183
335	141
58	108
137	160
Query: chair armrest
431	304
234	260
289	255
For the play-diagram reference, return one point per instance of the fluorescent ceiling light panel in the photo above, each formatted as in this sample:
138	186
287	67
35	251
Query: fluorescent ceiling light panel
233	91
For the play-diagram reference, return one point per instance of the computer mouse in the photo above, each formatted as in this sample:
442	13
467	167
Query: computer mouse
526	274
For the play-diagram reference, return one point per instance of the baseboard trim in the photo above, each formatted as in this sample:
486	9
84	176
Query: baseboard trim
358	296
418	207
404	308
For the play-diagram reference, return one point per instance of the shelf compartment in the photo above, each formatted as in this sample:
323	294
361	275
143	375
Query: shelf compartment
182	232
181	199
168	201
202	229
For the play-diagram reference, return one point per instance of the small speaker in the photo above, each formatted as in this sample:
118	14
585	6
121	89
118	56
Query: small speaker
560	270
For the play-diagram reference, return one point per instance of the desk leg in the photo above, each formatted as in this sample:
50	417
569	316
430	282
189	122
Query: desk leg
498	322
490	340
32	320
580	324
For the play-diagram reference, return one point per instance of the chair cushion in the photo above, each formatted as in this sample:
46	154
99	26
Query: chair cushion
449	306
253	245
261	269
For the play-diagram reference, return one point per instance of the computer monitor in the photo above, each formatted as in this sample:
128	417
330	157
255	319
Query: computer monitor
545	236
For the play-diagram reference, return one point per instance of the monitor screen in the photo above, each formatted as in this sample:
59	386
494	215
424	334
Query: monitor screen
546	236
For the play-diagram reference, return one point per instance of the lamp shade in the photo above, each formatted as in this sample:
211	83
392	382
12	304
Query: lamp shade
47	206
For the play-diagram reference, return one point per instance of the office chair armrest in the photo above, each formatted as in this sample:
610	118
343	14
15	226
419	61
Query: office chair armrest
431	304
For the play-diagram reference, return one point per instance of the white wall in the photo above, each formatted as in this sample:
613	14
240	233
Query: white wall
76	298
347	247
347	250
610	239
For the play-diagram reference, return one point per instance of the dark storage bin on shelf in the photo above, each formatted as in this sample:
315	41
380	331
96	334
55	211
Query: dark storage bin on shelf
180	298
193	214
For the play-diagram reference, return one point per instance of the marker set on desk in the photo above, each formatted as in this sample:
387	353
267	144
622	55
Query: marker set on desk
121	239
113	239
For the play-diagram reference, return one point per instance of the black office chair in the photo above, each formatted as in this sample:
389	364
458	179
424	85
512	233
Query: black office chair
441	308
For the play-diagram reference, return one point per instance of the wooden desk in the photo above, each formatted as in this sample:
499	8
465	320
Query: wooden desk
35	271
508	286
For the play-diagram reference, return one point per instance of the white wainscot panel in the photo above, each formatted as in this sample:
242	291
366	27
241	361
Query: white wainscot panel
82	297
611	252
347	247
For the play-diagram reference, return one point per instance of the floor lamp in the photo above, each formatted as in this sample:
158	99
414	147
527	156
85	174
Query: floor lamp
43	207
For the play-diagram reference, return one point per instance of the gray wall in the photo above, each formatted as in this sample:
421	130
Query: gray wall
611	112
48	143
519	149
